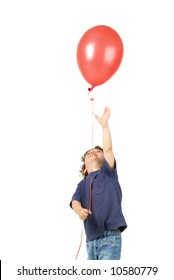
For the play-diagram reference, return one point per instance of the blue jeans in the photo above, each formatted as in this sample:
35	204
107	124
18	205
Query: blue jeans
106	247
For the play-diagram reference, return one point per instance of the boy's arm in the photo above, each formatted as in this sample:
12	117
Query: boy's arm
107	146
107	139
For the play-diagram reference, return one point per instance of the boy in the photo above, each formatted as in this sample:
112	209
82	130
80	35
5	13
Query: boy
97	199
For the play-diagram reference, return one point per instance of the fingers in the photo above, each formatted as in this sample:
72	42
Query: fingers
107	110
97	117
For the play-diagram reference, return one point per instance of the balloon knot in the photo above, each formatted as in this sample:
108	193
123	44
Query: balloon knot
91	88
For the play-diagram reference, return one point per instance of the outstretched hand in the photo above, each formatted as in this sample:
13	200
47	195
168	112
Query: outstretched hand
104	118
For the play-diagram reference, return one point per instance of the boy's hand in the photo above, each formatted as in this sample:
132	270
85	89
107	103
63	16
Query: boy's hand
83	214
104	118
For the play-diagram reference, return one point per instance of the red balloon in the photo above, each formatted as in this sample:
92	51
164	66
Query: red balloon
99	54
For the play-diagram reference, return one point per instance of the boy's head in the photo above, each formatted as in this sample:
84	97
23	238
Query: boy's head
93	154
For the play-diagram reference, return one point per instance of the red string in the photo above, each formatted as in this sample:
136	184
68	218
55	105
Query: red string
90	209
90	190
90	197
80	243
92	99
92	132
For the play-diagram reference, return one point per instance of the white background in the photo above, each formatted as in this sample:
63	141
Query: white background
45	127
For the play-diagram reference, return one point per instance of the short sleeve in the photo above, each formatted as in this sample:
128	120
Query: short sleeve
76	195
108	170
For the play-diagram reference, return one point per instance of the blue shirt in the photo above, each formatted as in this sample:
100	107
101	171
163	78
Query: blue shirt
106	201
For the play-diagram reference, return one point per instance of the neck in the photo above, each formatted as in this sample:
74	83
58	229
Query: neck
94	166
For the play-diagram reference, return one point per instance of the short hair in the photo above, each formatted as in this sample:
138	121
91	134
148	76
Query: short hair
82	170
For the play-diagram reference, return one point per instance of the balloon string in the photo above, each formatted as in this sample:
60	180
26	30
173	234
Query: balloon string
90	209
90	192
80	243
92	133
92	99
90	197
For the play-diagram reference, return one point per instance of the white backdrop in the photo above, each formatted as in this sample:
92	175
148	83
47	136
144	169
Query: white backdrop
45	126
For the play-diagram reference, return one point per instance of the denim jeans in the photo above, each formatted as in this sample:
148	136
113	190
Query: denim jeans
106	247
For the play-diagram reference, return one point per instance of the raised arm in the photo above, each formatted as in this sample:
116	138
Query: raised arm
107	139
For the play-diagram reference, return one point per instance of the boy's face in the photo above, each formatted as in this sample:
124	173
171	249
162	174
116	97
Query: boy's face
94	155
